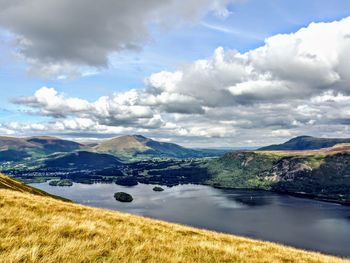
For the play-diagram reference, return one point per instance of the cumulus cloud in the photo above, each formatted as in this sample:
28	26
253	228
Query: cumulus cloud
294	84
48	102
289	66
58	36
117	110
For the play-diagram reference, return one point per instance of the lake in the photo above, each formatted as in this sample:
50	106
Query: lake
298	222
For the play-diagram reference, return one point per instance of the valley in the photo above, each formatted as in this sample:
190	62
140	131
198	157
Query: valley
322	173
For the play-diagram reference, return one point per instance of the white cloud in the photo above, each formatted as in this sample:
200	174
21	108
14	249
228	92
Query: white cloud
49	102
281	133
294	84
164	81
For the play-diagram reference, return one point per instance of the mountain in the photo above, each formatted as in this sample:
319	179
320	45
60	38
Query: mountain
45	143
52	144
7	143
17	149
305	143
42	229
321	174
138	145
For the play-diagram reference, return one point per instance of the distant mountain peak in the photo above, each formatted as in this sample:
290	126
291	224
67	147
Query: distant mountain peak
140	145
302	137
306	142
139	136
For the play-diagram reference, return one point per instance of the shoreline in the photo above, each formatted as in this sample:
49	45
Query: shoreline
294	194
300	195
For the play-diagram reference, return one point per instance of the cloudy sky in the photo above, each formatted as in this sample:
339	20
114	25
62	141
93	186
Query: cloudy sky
211	73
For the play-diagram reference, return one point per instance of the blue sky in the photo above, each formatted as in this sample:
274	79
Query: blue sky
166	48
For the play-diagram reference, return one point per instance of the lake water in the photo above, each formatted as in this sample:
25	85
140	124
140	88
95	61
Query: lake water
299	222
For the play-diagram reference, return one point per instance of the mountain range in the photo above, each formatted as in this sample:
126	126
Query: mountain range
124	147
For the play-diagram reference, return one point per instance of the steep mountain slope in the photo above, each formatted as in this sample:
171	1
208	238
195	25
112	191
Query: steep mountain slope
322	174
41	229
137	145
305	143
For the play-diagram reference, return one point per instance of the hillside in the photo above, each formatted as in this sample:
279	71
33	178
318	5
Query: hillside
41	229
11	184
305	143
322	174
17	149
338	148
52	144
138	145
12	142
81	160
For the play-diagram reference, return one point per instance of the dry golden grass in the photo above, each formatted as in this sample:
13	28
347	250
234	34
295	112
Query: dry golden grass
41	229
9	183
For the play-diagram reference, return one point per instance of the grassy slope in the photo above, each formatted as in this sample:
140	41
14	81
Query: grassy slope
41	229
11	184
338	148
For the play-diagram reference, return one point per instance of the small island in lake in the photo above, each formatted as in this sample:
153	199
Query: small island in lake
158	189
123	197
64	182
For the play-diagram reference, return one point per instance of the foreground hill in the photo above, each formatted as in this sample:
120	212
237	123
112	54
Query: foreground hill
11	184
138	145
305	143
322	174
41	229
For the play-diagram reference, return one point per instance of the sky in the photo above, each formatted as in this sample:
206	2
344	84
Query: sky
208	73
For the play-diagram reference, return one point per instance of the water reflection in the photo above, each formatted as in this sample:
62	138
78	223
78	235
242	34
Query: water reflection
252	198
